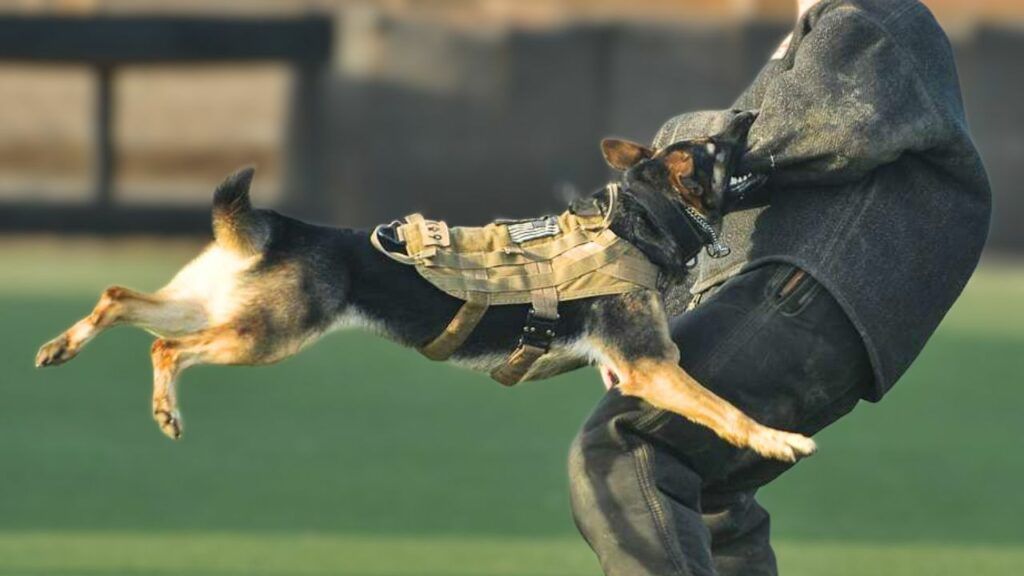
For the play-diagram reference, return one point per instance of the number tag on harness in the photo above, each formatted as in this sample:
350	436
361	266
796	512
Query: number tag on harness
532	229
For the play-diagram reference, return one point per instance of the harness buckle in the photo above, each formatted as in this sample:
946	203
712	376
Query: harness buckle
538	331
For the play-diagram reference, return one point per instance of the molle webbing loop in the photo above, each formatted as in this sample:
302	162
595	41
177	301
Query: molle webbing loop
567	257
511	255
538	333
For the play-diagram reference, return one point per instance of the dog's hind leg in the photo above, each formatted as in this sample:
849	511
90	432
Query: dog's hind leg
119	306
220	345
168	361
242	342
632	338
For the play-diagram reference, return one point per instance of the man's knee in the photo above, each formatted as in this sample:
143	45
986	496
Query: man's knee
610	454
636	505
601	473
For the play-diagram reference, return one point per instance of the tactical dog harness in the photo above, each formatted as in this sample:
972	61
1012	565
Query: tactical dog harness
540	262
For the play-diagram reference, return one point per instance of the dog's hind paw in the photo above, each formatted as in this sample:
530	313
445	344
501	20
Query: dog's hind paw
55	352
169	423
784	446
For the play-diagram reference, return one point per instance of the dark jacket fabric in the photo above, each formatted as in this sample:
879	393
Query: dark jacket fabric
876	188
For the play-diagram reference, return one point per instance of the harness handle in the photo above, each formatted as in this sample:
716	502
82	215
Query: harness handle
375	241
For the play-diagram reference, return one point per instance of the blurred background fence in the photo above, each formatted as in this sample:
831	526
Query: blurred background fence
469	109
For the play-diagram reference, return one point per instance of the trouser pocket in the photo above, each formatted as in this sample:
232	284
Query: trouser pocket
792	289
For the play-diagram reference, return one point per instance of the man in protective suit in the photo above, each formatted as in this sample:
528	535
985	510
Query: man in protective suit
872	218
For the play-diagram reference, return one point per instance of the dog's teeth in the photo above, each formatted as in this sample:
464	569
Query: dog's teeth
737	180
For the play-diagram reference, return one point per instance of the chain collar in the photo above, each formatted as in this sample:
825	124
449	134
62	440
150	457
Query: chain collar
713	240
715	248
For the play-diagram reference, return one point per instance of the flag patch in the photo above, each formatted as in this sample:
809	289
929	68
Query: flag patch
532	229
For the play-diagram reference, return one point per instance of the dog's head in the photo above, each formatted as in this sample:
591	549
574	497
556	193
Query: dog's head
696	172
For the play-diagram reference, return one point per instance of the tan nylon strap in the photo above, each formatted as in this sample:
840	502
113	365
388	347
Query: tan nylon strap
575	266
434	233
521	254
458	330
517	365
545	300
375	241
410	234
634	269
422	237
545	305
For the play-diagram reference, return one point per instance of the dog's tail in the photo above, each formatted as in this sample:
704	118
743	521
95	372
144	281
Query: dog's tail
236	225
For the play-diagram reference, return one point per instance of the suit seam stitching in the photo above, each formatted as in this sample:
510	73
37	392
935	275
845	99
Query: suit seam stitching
641	462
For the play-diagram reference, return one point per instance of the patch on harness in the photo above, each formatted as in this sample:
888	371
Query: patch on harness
524	231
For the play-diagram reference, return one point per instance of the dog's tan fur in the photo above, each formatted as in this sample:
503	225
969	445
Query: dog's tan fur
661	382
203	316
199	318
206	316
243	301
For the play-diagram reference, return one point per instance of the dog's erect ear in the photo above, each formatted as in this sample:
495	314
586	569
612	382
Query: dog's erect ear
623	154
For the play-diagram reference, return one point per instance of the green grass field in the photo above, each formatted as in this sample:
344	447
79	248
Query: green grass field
358	458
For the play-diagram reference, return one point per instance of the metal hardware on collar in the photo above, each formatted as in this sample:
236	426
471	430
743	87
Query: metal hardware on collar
716	249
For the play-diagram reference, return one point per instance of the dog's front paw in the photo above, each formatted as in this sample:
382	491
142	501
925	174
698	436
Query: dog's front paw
56	351
784	446
169	422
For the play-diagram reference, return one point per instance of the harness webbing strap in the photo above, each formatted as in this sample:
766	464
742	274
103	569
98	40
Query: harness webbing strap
458	330
518	364
489	266
532	346
545	300
588	258
518	254
375	241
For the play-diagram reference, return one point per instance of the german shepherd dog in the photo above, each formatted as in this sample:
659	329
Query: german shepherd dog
269	285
